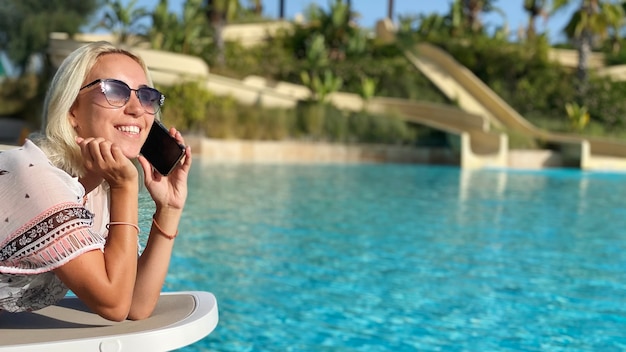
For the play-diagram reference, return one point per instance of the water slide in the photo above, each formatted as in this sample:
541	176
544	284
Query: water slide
461	85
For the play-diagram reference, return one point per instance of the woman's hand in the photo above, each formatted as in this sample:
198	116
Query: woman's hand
169	191
103	159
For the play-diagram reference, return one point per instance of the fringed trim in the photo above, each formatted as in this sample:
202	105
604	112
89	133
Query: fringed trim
56	254
43	223
60	236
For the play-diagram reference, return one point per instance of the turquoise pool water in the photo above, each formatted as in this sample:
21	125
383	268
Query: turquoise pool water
405	258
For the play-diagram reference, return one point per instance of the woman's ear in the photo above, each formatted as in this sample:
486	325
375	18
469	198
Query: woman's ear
72	115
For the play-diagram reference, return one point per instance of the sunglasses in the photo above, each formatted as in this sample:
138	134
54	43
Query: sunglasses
117	94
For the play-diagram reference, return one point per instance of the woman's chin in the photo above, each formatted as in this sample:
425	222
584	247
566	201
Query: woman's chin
131	153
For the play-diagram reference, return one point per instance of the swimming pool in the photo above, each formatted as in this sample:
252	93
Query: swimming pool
405	258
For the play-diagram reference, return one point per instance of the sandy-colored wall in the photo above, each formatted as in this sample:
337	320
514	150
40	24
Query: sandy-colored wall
236	151
229	151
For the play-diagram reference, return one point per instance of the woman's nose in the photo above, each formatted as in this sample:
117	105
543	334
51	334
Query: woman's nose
134	107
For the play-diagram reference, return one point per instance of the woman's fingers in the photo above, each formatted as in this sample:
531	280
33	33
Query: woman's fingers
187	159
148	170
84	151
116	154
185	163
106	159
98	151
101	151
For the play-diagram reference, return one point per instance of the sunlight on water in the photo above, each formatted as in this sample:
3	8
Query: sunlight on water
405	258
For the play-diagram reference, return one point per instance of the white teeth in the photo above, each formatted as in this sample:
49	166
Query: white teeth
129	129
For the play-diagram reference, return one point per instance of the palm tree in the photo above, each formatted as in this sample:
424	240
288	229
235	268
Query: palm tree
472	10
535	8
187	35
257	7
123	21
164	24
220	12
195	34
336	27
616	16
281	6
592	20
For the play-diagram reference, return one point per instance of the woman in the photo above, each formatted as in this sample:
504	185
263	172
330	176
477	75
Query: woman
70	203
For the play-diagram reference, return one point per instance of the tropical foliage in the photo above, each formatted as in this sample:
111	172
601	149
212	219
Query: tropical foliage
328	52
594	20
185	34
535	9
25	25
123	20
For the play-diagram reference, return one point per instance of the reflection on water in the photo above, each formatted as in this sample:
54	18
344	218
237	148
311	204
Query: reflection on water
404	258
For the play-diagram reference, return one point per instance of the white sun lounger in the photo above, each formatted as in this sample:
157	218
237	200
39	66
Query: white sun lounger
180	319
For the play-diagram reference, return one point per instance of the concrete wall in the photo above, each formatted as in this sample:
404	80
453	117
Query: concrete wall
218	150
569	58
234	151
225	151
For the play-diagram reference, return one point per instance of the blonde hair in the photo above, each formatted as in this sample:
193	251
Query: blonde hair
59	142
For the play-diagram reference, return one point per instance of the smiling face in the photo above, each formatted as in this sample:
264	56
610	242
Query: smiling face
93	116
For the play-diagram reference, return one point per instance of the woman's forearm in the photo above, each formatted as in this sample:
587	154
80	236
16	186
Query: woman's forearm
120	253
154	262
105	280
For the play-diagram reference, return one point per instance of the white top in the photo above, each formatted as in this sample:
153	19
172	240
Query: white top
45	223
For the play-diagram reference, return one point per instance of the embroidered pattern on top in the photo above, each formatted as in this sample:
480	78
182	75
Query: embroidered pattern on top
47	241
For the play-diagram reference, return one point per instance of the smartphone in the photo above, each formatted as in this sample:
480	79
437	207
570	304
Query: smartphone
161	149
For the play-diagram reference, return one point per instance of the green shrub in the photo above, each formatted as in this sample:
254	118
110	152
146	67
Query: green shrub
185	105
310	119
192	109
16	94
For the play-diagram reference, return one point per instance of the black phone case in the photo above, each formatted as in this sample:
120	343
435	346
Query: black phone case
161	149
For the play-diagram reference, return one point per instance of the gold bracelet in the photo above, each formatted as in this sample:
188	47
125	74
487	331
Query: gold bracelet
123	223
163	233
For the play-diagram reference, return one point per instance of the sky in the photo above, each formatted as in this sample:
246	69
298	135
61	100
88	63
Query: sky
373	10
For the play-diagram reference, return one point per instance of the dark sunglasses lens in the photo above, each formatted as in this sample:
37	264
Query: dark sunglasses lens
117	93
150	99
